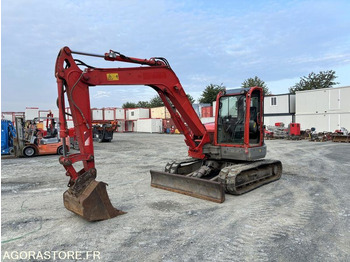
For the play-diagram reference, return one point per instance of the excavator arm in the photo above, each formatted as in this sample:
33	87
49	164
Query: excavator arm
85	195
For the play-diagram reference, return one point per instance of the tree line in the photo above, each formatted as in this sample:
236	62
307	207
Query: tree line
323	79
156	101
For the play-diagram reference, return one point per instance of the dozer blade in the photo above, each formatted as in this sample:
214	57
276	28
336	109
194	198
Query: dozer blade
92	203
195	187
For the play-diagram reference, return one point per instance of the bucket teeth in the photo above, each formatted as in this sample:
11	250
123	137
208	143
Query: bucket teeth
92	202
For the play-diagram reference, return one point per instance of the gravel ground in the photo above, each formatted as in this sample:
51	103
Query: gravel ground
305	216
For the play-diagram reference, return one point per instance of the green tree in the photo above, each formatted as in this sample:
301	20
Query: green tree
129	105
143	104
256	81
156	102
324	79
190	98
210	93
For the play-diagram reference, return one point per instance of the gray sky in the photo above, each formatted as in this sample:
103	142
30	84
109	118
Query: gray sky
204	41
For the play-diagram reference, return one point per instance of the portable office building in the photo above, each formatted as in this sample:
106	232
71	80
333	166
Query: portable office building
279	108
326	109
150	125
31	113
120	113
137	113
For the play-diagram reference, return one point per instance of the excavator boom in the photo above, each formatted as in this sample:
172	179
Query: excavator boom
85	194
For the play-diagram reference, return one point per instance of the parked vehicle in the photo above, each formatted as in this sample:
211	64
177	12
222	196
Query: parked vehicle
38	141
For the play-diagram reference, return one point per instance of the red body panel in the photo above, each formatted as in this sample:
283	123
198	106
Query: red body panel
210	127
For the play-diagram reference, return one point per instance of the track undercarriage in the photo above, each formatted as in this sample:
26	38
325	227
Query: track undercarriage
210	179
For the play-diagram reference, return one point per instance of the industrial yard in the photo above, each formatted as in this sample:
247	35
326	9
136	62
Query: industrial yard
304	216
175	131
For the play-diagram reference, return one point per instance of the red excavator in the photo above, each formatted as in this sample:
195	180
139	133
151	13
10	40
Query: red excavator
226	158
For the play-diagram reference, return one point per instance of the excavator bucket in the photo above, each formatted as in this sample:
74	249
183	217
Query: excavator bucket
90	202
191	186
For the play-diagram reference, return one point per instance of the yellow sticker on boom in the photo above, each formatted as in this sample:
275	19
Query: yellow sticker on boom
113	77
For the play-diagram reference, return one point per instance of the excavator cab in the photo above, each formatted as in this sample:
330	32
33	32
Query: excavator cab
232	117
230	124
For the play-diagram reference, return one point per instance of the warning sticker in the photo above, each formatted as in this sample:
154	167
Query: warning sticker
113	77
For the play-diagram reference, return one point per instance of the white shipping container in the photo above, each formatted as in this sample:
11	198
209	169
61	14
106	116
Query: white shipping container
206	120
326	100
109	114
11	115
271	120
55	112
7	116
44	113
130	126
137	113
97	114
214	108
324	122
70	124
150	125
325	109
121	126
31	113
279	104
127	114
120	113
69	112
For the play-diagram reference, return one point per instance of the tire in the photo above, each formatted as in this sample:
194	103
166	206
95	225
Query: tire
29	151
60	150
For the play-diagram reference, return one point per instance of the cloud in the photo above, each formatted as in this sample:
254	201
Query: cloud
101	94
205	42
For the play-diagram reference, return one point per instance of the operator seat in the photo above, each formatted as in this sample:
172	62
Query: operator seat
253	126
